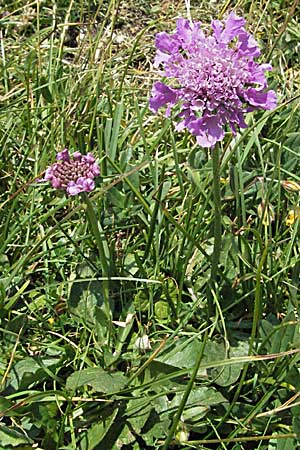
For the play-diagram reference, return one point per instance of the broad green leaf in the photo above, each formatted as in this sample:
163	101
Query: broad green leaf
204	397
98	379
280	338
131	267
5	404
194	413
96	433
141	299
158	422
104	434
285	444
296	419
183	354
116	198
12	437
84	297
138	411
30	370
227	375
161	310
125	438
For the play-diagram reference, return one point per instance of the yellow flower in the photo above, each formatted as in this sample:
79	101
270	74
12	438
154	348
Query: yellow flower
293	215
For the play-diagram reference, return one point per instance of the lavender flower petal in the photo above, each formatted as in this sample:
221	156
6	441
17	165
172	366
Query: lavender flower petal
74	188
63	155
161	95
261	99
211	80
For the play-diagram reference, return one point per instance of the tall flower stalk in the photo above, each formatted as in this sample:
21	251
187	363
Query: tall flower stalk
217	229
210	81
75	174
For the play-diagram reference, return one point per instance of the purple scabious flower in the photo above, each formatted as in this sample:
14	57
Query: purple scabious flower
213	78
73	174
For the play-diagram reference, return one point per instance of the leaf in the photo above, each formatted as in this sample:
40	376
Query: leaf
84	297
280	339
125	438
98	379
31	370
195	413
198	403
158	421
11	437
285	444
116	198
293	141
96	432
103	435
296	420
161	310
227	375
183	354
5	404
130	266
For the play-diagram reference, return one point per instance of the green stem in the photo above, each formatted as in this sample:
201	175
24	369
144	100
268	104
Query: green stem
213	285
96	229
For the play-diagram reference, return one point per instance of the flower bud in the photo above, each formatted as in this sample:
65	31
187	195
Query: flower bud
291	186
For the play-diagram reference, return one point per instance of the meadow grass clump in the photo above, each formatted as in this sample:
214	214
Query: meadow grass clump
149	286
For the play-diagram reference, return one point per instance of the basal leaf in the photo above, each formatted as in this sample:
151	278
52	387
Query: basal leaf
31	370
98	379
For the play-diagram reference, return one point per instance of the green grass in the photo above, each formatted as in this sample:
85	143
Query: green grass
85	285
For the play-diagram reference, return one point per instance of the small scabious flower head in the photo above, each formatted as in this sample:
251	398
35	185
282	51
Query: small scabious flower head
212	80
73	173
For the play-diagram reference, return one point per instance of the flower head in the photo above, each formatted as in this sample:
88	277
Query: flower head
214	79
73	174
